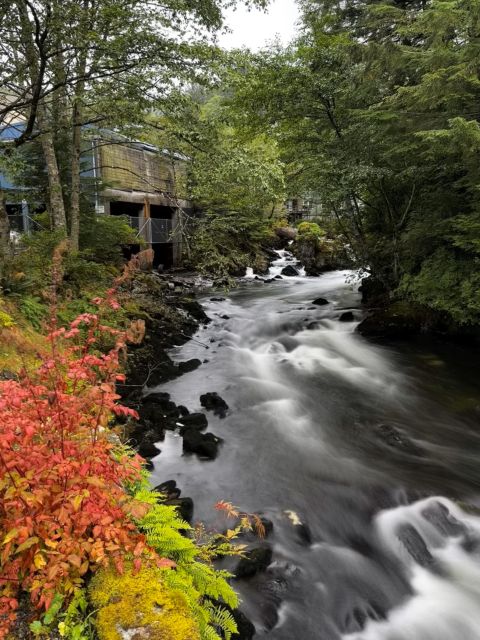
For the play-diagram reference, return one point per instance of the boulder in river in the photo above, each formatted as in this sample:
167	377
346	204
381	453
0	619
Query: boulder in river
320	302
290	271
169	489
147	449
217	299
184	508
246	629
347	316
415	545
194	421
204	445
213	402
189	365
255	561
394	438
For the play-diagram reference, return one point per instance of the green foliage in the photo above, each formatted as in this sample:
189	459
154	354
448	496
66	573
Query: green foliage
375	109
6	320
33	310
310	230
202	585
102	239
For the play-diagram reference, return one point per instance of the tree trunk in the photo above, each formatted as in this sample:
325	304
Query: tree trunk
4	231
57	205
75	184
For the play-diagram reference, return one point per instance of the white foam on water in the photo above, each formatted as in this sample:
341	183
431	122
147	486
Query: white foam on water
446	600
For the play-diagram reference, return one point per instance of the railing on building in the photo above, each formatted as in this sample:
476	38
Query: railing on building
152	230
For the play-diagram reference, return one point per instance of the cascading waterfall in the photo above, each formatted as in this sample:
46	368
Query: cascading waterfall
348	437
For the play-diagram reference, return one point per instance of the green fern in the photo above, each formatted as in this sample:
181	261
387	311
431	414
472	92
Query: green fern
203	586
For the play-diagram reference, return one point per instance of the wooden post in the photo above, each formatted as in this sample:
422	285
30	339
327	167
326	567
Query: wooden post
147	234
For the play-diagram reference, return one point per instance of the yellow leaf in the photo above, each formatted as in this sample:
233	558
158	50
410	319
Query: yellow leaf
77	501
27	544
51	543
10	535
39	561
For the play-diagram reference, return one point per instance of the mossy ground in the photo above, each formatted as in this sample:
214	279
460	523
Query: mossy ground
140	604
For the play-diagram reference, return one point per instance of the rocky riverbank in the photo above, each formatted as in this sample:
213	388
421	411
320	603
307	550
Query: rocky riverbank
390	318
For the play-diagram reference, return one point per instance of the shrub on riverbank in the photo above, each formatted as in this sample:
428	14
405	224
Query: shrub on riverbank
76	503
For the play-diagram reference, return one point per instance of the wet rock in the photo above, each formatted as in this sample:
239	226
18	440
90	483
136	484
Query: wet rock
394	438
320	302
169	489
278	277
183	411
194	421
149	466
290	271
218	299
441	518
396	321
347	316
267	525
195	309
255	561
213	402
225	317
415	545
301	529
147	449
246	629
204	445
184	508
189	365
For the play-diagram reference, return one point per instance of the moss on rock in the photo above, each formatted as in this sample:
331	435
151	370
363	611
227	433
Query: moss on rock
140	606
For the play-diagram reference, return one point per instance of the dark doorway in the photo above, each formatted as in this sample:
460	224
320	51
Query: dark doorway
163	255
133	209
159	211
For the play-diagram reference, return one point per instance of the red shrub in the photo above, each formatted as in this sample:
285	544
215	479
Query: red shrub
63	509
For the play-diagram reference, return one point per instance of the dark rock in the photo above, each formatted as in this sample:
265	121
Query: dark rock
195	309
303	533
278	277
394	438
321	302
189	365
441	518
195	421
169	489
219	299
225	317
258	278
267	526
147	449
255	561
149	466
246	629
374	292
204	445
415	545
396	321
183	411
184	507
290	271
213	402
347	316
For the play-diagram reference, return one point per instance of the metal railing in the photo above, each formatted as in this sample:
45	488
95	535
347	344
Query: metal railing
152	230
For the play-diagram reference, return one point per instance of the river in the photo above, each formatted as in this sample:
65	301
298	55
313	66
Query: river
375	448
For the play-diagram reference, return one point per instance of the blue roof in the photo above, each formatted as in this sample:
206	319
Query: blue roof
11	131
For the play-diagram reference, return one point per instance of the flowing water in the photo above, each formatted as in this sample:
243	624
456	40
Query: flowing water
374	448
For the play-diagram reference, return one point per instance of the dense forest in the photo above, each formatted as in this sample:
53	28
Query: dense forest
371	112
